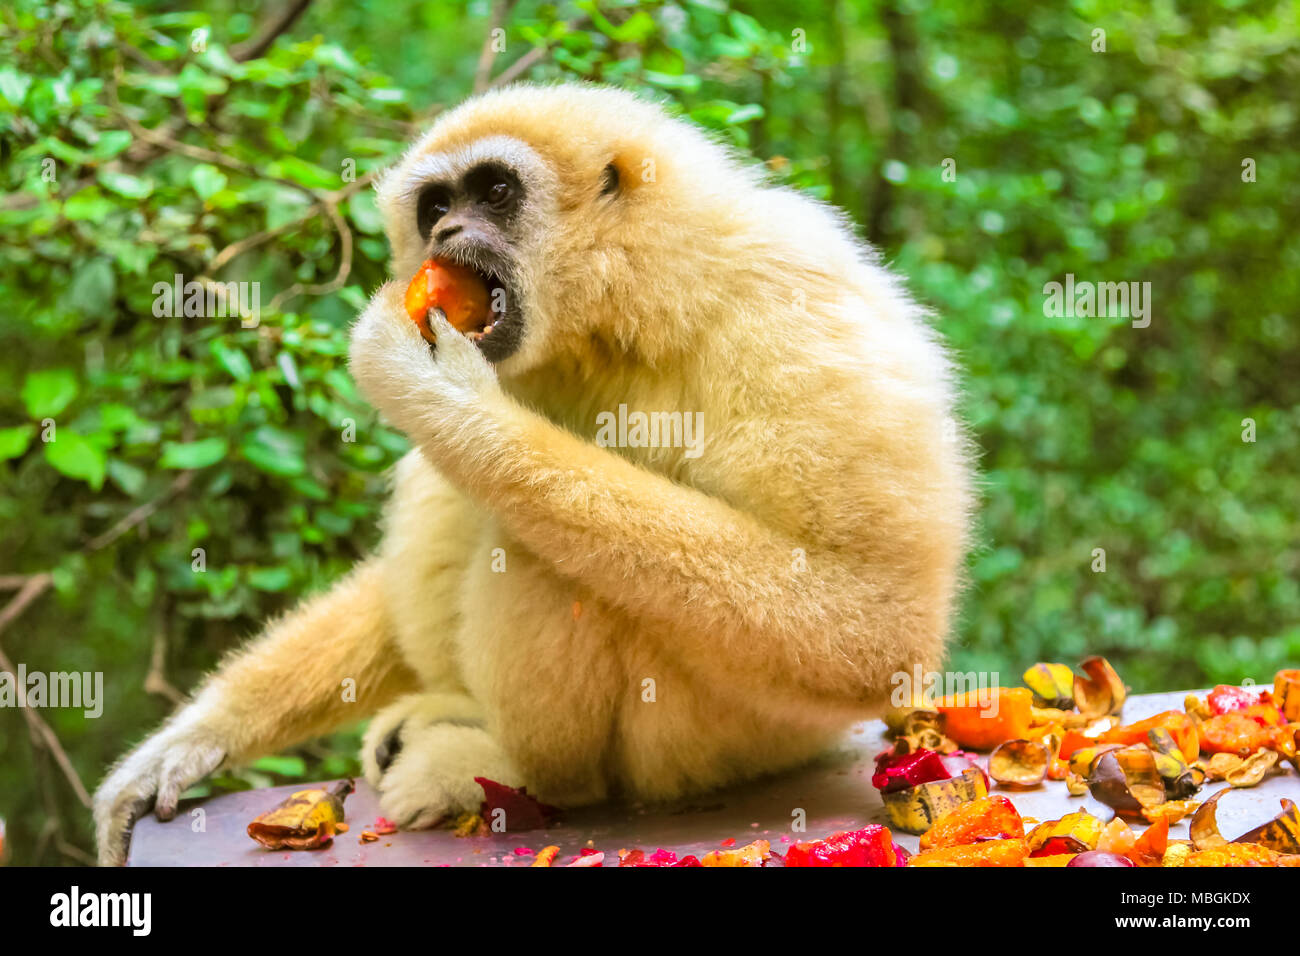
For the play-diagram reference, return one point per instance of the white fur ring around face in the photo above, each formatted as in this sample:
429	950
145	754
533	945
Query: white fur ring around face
418	387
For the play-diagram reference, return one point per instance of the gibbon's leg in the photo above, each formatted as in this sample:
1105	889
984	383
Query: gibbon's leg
423	752
835	631
330	661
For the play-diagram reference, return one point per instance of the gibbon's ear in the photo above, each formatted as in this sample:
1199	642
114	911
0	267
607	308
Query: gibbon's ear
610	180
625	172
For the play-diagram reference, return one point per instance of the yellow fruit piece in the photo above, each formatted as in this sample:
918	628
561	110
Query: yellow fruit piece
751	855
916	809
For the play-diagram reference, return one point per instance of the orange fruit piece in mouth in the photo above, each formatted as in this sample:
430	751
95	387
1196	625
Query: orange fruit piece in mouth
457	290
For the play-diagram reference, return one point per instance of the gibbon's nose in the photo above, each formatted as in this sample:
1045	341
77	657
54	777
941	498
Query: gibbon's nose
447	232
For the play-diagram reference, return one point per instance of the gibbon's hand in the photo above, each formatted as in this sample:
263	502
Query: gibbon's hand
421	389
153	775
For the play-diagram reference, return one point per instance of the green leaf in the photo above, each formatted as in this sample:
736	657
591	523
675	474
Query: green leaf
49	391
275	450
270	579
14	441
111	142
127	476
72	455
745	114
232	360
93	288
195	454
687	82
124	184
365	213
305	173
88	205
207	180
14	86
285	766
195	81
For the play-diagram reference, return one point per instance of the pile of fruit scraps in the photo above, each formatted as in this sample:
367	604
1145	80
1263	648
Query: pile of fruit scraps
1061	726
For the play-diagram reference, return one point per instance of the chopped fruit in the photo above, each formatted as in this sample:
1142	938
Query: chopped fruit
1080	827
1149	848
1233	733
752	855
1226	698
516	809
1101	692
1099	858
1180	726
988	853
982	720
1286	694
987	818
899	771
1236	854
915	809
871	846
1020	763
546	856
458	291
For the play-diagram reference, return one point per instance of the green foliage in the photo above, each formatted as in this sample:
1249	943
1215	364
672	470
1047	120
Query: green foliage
247	471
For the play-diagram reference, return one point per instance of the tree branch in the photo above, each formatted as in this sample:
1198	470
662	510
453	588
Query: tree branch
488	55
271	32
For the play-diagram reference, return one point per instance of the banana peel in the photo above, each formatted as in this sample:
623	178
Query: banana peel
1052	684
1182	779
307	820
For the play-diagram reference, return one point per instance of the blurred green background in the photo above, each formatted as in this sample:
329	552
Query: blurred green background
176	434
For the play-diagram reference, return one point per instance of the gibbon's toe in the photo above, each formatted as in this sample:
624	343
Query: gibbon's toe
389	748
431	778
391	730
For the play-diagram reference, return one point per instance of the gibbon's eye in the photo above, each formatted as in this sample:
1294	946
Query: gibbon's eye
609	180
495	186
431	206
499	194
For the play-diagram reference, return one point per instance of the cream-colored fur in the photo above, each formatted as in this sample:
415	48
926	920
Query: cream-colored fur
594	621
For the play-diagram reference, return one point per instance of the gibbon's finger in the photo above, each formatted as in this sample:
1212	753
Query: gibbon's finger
113	824
179	772
461	362
440	328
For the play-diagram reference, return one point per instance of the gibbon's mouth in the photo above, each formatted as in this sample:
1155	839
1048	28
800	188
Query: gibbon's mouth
501	333
496	290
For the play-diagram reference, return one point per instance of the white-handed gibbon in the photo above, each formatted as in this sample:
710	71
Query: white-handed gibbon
594	618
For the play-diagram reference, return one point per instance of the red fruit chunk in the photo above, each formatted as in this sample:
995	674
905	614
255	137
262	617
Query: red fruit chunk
1226	698
898	772
871	846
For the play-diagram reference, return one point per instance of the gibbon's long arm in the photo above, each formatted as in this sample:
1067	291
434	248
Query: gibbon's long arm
282	688
672	552
330	661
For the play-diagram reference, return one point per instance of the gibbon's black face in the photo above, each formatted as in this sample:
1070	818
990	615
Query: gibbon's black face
472	221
